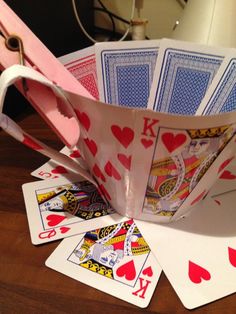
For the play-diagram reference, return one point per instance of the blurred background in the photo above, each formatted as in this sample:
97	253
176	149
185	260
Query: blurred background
54	23
66	26
161	15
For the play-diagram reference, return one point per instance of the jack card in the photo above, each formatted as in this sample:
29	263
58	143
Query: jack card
115	259
60	208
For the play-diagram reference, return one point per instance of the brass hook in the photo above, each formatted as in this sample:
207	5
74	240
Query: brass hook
14	43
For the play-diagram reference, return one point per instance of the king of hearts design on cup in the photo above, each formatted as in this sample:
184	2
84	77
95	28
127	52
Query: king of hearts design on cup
173	178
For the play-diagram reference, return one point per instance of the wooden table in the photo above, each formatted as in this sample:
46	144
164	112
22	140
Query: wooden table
26	284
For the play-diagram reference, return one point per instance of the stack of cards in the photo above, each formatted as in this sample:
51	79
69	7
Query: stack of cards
149	165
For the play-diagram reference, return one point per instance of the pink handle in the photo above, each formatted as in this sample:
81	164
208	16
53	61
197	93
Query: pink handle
59	117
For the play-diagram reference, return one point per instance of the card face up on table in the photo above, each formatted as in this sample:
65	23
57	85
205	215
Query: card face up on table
63	207
198	253
115	259
154	130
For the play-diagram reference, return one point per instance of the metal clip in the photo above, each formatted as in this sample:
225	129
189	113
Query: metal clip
14	43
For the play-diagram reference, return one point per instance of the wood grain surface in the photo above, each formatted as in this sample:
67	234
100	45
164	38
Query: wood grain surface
26	284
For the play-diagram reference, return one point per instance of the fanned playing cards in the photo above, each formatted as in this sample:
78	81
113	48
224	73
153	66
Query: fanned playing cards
157	133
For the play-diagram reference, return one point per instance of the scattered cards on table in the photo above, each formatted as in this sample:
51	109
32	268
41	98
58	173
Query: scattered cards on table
116	254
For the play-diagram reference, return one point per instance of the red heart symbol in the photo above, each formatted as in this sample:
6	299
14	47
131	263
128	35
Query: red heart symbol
228	175
54	220
83	118
127	270
196	273
92	146
59	169
125	136
148	271
111	171
124	160
146	143
64	229
172	141
232	256
199	197
104	192
98	173
225	164
31	143
75	154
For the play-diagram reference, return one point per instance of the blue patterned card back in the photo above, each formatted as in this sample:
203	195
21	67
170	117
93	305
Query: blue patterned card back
185	77
127	75
223	98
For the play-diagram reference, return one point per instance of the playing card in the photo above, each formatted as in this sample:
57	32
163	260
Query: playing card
182	76
225	201
82	65
209	174
115	259
181	158
9	126
125	71
221	94
117	150
132	135
198	253
227	179
53	170
60	208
